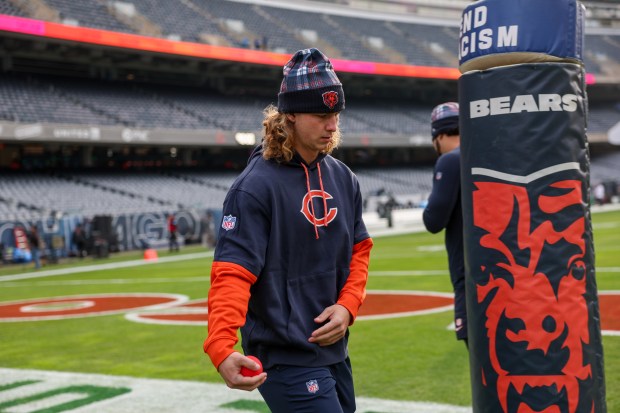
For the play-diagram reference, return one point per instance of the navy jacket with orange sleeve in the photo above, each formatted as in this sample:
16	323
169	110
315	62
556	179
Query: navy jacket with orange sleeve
444	208
444	212
292	242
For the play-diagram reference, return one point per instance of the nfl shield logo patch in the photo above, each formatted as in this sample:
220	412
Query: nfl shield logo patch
229	222
313	386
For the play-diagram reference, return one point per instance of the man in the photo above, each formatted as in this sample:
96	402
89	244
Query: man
444	204
291	262
173	243
79	240
34	239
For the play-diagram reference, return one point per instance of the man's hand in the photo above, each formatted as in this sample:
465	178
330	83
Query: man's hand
335	329
230	370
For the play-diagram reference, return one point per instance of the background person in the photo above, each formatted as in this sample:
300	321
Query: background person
79	240
291	262
35	242
599	194
443	210
173	239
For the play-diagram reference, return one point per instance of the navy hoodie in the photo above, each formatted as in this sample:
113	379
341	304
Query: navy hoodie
444	212
297	266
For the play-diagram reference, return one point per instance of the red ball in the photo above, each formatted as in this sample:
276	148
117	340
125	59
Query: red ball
251	373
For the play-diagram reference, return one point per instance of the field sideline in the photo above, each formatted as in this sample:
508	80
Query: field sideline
396	360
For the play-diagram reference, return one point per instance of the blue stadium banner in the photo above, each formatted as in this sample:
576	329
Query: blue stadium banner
127	232
533	313
499	32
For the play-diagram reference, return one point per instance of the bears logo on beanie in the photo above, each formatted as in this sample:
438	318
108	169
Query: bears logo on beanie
445	118
310	85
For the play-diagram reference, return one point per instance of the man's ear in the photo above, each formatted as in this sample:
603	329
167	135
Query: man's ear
290	117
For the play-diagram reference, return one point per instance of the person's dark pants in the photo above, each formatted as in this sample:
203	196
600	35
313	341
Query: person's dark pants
293	389
460	310
36	257
174	243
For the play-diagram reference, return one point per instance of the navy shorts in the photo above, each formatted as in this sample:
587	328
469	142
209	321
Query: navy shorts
297	389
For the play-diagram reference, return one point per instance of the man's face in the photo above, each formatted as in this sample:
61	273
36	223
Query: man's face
437	143
313	132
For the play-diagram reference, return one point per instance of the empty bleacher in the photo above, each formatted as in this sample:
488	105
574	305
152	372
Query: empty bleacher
602	117
258	24
132	105
385	116
342	36
88	13
240	113
416	44
57	100
165	190
606	168
6	7
183	20
32	99
42	194
29	98
408	186
30	196
601	53
37	98
429	45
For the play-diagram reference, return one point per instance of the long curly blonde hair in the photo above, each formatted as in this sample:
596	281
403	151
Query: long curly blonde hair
279	137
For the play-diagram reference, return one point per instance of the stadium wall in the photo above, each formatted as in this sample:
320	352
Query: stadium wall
85	134
127	232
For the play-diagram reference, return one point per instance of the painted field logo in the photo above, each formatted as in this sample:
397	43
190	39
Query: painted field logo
609	302
76	306
59	399
36	391
175	309
378	305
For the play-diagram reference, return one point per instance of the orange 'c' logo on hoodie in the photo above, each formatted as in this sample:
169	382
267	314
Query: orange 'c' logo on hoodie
306	208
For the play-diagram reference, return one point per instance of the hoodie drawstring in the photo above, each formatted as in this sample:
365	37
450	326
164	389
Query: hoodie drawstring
318	166
316	230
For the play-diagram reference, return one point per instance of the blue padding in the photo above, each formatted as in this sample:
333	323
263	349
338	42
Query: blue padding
549	28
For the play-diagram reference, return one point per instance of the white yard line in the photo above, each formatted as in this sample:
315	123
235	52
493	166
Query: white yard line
109	266
164	280
157	395
117	281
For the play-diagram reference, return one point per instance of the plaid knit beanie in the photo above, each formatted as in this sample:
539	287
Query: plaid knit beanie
445	118
310	85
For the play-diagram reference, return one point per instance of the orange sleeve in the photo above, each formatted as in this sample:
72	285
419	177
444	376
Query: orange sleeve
353	293
227	307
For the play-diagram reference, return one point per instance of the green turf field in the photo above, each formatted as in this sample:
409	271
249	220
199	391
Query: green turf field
409	358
